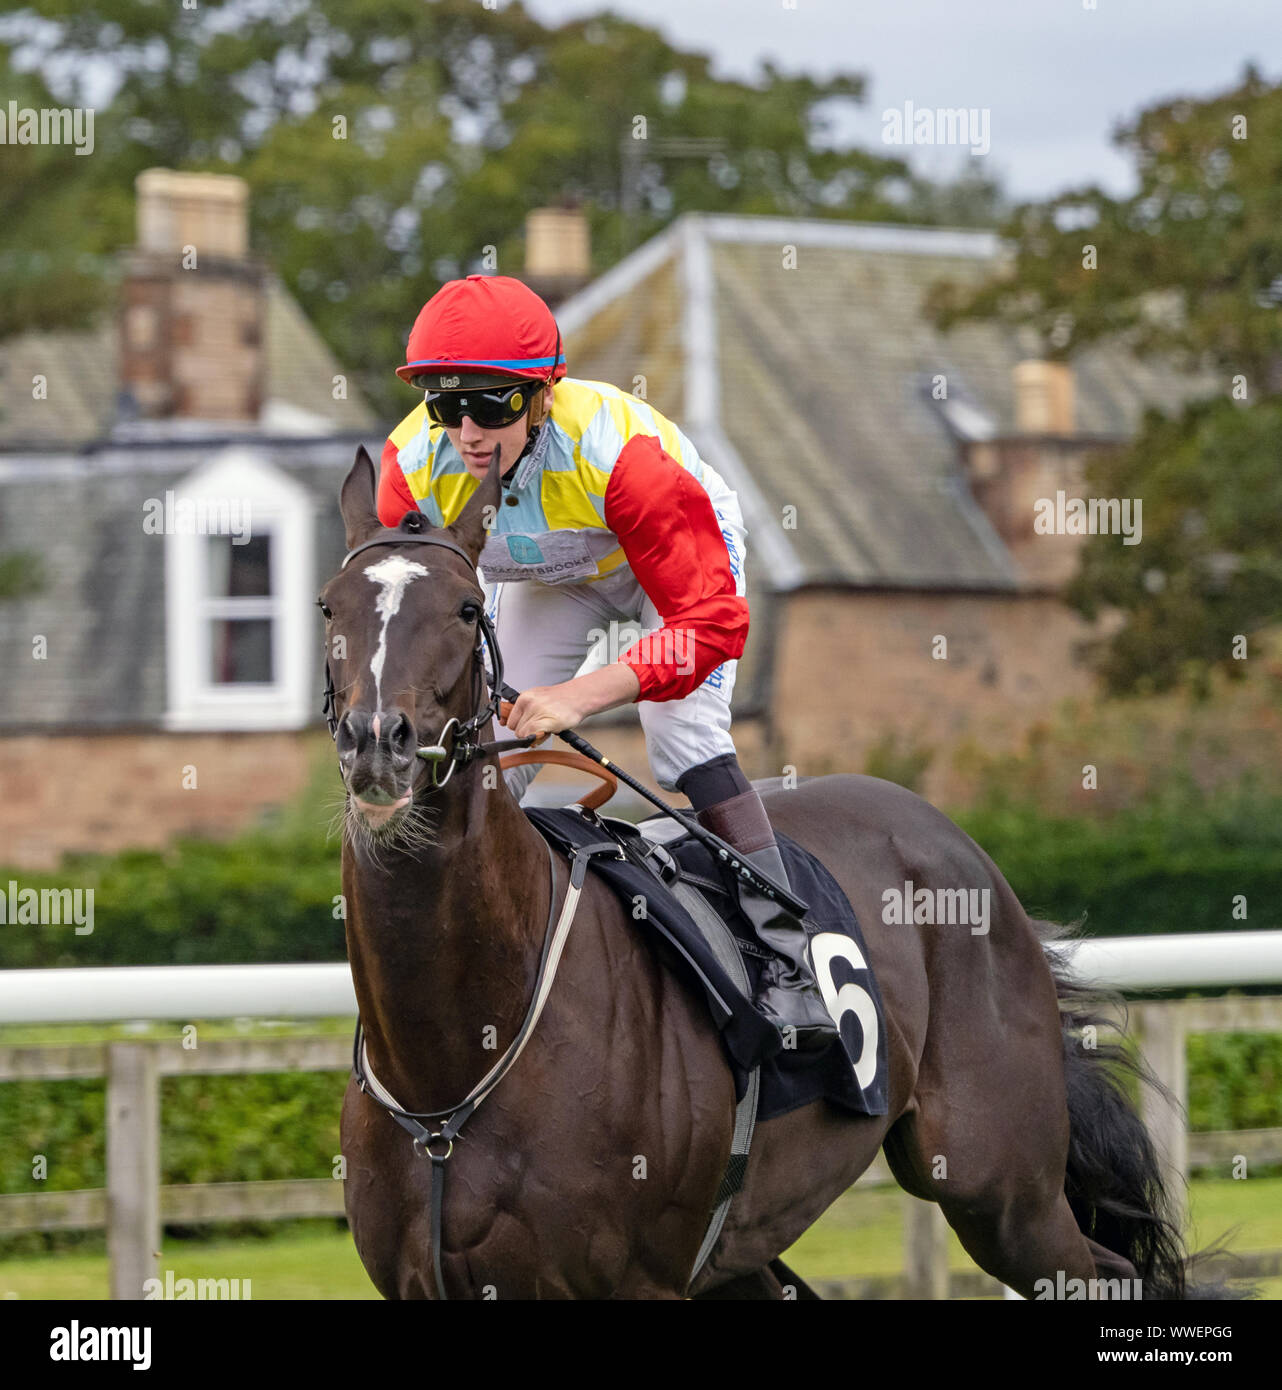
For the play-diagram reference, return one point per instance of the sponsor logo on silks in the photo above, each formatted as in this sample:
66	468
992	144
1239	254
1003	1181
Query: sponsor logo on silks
732	550
524	550
448	381
717	678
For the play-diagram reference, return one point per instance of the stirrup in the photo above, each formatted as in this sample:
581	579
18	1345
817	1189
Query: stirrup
799	1009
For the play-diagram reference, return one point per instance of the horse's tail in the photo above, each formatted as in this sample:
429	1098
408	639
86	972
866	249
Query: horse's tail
1114	1181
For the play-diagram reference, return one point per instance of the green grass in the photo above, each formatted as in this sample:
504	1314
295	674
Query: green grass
860	1235
311	1263
30	1034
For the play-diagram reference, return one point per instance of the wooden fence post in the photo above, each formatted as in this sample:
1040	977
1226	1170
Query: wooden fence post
1160	1029
133	1167
925	1250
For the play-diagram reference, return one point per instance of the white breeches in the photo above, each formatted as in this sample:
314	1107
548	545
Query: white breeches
551	633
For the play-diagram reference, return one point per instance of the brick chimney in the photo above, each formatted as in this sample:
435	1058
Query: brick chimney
1043	398
193	321
558	259
1012	475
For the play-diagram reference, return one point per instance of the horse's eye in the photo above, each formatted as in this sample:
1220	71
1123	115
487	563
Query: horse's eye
324	608
469	612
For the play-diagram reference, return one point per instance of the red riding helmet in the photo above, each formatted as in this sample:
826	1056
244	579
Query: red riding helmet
482	331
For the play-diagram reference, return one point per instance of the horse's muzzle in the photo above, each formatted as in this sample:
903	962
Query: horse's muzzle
376	756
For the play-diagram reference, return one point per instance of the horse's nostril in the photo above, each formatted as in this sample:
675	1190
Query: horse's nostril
353	733
400	733
362	734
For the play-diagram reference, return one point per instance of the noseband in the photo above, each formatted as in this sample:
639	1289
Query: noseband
463	747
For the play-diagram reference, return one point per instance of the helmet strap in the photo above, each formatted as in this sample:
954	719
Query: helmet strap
537	412
530	459
535	416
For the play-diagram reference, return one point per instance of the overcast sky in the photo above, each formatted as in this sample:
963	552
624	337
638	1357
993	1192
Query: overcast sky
1055	75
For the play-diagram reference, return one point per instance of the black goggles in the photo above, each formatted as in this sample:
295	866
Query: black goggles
490	409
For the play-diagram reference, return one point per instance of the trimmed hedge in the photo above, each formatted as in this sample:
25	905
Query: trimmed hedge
263	897
213	1129
285	1125
1174	864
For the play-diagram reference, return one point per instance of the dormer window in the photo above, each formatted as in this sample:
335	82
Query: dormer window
239	625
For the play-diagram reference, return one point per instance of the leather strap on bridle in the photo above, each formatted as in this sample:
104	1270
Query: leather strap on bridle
464	747
409	532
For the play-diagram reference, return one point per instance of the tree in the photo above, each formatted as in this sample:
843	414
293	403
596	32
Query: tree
392	145
1208	573
1188	268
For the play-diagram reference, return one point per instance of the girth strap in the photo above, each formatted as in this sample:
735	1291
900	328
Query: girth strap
723	944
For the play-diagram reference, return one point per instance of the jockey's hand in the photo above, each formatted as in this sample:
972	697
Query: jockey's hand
545	709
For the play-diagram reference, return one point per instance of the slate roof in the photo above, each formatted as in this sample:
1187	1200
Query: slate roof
73	481
804	387
102	603
81	368
808	387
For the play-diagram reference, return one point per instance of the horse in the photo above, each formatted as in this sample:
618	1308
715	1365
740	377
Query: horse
591	1169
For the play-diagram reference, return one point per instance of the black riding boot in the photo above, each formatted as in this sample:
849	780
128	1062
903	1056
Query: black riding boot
788	995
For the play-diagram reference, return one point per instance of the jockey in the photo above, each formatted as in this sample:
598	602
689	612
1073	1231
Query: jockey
608	513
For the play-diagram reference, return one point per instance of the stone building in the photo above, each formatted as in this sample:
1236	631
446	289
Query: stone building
888	474
161	676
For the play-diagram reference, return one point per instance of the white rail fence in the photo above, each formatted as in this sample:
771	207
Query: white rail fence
133	1205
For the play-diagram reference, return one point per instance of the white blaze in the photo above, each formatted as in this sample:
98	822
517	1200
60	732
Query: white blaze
393	576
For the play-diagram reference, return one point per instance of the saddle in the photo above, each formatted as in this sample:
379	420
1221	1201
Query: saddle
673	888
680	893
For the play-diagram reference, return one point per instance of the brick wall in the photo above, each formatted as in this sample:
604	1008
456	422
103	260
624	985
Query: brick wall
70	793
851	668
104	792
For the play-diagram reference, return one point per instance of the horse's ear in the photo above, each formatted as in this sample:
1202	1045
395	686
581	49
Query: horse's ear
358	500
482	507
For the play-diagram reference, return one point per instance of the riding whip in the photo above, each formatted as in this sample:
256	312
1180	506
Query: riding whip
721	849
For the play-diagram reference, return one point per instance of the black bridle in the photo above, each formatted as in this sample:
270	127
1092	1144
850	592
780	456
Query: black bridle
464	746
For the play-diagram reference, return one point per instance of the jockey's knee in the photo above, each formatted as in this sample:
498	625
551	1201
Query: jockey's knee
711	782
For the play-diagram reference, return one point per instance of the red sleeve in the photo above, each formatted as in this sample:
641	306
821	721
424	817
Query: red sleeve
670	534
394	496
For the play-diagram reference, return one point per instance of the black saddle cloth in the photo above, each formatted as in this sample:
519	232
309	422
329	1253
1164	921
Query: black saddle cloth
852	1074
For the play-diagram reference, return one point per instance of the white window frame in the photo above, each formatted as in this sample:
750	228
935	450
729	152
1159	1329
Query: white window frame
278	507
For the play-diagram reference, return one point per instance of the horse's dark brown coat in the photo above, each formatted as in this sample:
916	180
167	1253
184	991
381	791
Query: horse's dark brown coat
590	1171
